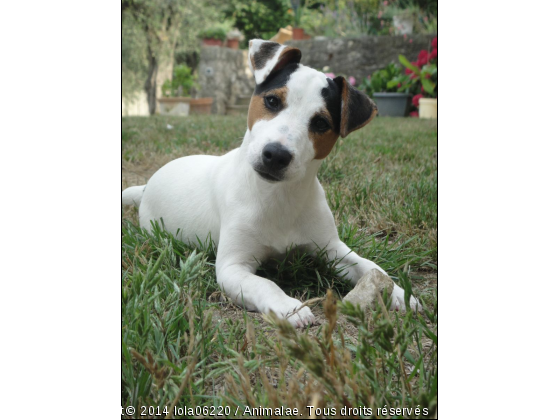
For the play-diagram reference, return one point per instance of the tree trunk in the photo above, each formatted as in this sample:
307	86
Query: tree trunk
151	82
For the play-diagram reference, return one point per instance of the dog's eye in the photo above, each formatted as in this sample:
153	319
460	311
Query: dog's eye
272	102
320	124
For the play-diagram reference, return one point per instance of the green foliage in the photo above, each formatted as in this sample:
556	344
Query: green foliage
297	10
181	84
388	79
134	61
215	32
427	75
258	19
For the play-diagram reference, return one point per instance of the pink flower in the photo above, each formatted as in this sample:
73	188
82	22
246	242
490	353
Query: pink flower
433	54
434	42
422	58
352	80
404	36
385	3
416	100
330	75
410	40
414	114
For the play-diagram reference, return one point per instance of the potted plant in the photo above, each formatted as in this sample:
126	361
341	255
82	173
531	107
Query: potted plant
298	7
390	89
233	38
214	36
176	100
423	76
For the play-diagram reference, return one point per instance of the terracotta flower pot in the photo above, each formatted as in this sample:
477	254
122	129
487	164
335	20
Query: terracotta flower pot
233	43
185	106
212	42
298	33
201	106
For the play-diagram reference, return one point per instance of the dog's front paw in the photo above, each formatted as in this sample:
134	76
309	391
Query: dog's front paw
289	310
398	303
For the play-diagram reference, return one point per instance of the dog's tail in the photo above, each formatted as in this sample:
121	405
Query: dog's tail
133	195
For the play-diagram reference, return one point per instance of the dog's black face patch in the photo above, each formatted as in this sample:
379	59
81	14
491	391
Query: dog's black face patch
265	53
331	95
277	79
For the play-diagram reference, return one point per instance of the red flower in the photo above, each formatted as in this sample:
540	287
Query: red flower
414	114
434	42
422	58
407	71
427	76
416	100
399	85
433	54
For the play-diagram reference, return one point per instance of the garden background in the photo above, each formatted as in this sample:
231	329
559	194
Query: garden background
497	168
184	344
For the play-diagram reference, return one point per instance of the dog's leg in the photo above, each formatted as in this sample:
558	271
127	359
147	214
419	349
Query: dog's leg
354	267
235	271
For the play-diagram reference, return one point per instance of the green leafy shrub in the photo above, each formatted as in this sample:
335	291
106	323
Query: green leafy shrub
214	32
181	84
259	19
388	79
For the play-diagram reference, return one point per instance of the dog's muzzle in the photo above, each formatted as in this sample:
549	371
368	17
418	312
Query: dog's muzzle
275	160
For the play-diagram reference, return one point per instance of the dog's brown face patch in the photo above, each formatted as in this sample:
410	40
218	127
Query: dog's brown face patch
322	134
259	110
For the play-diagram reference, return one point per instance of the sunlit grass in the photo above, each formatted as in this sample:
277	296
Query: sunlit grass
184	343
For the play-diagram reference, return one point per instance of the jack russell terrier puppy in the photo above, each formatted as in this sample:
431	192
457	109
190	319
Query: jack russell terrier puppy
258	200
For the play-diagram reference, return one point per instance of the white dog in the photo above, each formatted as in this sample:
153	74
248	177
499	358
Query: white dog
259	199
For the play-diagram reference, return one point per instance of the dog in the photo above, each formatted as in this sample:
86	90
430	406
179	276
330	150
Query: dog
260	199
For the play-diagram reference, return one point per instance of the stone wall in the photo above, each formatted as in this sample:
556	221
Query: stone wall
359	57
224	75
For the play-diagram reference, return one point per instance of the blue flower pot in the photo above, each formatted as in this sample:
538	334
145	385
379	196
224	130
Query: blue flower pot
392	104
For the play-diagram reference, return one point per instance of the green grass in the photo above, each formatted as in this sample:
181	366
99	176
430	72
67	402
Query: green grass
185	344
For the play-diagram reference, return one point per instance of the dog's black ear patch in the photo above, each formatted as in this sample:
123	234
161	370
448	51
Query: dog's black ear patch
331	95
267	58
265	53
357	109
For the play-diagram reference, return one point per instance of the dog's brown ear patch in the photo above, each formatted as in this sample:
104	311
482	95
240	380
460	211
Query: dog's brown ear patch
266	57
357	109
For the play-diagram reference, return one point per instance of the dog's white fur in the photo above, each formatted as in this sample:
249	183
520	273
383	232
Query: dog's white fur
251	219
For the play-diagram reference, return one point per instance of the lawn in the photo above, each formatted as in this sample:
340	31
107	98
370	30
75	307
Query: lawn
185	345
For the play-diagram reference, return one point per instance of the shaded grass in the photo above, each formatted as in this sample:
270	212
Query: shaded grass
184	342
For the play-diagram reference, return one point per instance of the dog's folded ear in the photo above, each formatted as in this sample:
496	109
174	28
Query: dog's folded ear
357	109
266	57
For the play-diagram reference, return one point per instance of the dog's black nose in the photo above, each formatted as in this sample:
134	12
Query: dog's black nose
276	157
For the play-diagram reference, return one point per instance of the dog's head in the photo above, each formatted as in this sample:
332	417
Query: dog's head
297	113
